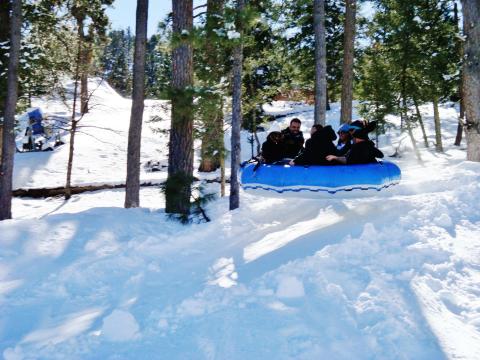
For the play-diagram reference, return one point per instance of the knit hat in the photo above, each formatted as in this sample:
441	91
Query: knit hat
357	125
343	129
329	133
361	134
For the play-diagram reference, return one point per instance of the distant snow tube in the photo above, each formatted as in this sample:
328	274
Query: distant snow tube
320	181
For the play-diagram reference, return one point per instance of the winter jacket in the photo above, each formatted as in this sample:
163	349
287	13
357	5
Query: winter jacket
363	153
318	147
292	143
272	152
343	148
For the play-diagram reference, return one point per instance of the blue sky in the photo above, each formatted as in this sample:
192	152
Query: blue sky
122	14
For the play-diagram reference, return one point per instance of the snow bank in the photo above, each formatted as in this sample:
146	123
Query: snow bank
393	276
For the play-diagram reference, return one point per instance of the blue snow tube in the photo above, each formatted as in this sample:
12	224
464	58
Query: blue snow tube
320	181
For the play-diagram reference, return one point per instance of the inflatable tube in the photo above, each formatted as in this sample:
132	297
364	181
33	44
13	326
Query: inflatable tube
320	181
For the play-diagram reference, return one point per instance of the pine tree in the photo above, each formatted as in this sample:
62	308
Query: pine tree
417	43
4	41
210	73
92	13
180	160
46	51
263	62
320	62
115	61
158	67
348	55
471	68
236	110
8	150
83	11
132	190
376	87
300	45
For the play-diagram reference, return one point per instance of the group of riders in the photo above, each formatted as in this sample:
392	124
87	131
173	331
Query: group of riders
353	146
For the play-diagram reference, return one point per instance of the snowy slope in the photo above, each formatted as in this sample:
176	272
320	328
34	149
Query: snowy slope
100	144
396	276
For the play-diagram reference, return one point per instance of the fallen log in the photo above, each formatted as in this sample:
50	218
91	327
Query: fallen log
60	191
37	193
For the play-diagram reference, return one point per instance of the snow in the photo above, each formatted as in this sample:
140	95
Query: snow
232	34
392	276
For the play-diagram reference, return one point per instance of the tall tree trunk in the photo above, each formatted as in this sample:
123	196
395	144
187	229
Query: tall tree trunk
8	150
348	56
407	123
420	121
236	112
403	94
327	99
461	119
73	126
83	64
180	160
212	149
438	128
471	70
222	167
1	140
4	37
412	139
320	62
132	189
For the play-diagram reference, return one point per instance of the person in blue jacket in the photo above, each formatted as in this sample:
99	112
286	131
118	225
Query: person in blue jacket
344	140
363	150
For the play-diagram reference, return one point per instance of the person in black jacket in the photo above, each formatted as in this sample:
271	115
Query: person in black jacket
363	150
292	139
344	140
272	148
317	147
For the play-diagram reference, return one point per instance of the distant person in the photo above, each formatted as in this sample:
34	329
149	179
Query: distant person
345	140
273	148
292	139
363	150
317	147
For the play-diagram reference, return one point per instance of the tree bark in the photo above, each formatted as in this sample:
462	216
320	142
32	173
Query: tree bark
461	119
471	70
438	128
73	126
348	56
4	37
236	113
212	150
420	121
8	146
83	63
132	191
320	62
180	161
412	139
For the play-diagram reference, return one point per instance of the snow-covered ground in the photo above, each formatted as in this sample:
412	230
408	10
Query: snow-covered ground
396	276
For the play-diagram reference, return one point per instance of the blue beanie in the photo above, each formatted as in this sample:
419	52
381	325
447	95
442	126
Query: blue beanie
344	128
